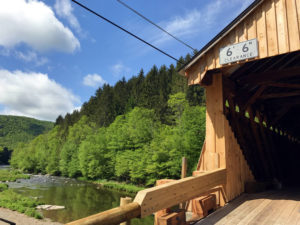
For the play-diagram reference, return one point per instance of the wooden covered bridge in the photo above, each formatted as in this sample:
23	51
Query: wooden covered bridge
251	73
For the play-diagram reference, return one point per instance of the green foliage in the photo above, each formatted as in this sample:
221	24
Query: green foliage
12	175
92	156
129	188
16	129
149	91
177	103
136	131
69	153
11	200
3	187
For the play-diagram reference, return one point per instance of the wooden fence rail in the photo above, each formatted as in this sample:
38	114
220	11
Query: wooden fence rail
153	199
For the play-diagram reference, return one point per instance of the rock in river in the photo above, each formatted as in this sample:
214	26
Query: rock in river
50	207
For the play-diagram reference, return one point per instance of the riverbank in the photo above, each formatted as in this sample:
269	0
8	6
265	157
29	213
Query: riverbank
20	218
7	175
114	185
81	199
129	188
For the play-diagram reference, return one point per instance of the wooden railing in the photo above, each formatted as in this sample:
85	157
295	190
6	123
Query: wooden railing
153	199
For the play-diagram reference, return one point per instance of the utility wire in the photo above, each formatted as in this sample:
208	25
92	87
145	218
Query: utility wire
154	24
128	32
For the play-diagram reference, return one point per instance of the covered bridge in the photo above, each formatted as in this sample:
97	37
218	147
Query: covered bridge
251	74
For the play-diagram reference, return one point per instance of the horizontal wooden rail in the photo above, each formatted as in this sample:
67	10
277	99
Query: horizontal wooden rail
167	195
151	200
112	216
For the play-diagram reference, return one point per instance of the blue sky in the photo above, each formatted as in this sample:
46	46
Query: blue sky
54	54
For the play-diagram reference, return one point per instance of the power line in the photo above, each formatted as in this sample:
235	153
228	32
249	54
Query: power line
159	27
123	29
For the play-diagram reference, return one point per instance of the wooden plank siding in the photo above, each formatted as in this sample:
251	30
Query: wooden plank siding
275	24
221	147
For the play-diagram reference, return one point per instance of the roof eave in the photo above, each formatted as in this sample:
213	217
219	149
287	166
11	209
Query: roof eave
220	35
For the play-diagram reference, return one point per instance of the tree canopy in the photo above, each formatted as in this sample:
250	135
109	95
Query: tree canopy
136	131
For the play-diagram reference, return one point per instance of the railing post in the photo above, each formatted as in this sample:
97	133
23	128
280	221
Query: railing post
183	175
183	167
125	201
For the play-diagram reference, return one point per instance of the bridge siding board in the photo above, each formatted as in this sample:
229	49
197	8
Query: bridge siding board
293	25
221	144
298	14
282	29
271	28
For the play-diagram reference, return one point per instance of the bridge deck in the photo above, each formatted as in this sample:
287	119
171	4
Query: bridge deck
272	207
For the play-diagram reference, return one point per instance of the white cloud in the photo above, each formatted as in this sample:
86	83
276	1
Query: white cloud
34	23
93	80
199	20
34	95
119	68
31	56
64	9
181	26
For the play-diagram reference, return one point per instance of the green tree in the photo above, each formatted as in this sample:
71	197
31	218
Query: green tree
92	156
69	162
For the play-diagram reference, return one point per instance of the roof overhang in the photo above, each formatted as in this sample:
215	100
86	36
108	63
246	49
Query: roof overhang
219	36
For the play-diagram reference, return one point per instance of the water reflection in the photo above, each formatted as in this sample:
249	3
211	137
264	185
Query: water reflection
80	199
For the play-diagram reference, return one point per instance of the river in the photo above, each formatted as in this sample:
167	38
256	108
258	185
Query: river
80	198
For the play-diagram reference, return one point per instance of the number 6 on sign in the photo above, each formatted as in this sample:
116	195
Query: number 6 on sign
229	53
239	52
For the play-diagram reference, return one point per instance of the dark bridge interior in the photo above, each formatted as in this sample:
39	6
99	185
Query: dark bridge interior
262	105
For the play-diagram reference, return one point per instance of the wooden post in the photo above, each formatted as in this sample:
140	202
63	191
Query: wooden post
125	201
183	167
183	175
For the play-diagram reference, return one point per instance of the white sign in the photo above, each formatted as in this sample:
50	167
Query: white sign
240	51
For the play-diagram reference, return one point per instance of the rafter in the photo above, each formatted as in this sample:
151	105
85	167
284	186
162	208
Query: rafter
283	85
253	98
280	95
265	77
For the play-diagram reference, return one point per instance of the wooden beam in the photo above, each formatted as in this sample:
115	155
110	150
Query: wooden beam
173	193
252	98
266	77
111	217
280	95
283	102
269	151
283	85
293	58
200	165
250	66
229	87
235	121
259	146
207	78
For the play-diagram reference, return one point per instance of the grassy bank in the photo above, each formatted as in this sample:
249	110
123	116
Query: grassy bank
11	200
12	175
124	187
130	188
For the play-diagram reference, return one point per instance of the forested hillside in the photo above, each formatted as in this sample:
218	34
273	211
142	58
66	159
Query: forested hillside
135	131
16	129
